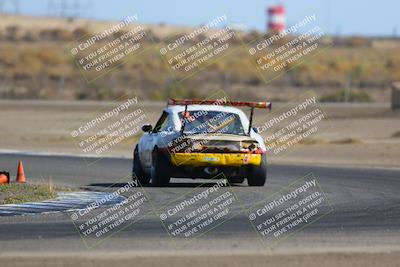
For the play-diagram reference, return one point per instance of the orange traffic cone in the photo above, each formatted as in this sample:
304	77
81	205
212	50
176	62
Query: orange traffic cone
20	173
4	178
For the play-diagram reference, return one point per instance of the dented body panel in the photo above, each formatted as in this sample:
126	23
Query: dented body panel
215	159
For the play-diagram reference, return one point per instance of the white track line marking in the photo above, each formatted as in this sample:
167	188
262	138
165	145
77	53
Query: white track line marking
66	201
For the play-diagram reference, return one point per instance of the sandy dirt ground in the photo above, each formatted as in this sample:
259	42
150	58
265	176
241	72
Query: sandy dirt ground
365	135
332	258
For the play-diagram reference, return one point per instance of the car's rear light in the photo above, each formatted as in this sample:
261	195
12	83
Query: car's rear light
251	147
259	151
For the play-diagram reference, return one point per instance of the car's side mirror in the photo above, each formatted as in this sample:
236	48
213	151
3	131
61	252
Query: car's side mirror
147	128
255	129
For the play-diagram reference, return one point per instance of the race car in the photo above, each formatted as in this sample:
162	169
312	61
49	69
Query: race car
202	139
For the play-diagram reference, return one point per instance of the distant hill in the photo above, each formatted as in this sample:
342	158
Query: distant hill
35	63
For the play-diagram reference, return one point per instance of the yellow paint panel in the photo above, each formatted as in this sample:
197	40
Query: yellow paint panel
216	159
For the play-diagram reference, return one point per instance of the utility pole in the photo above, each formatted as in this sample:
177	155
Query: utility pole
67	8
12	4
16	6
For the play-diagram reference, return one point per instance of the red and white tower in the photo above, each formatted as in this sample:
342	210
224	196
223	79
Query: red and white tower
276	18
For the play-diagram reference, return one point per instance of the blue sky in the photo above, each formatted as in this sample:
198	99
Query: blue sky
344	17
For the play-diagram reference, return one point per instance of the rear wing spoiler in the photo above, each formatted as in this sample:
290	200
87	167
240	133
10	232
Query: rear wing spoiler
185	102
252	105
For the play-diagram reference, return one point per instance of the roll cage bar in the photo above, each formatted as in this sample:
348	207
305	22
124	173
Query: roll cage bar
252	105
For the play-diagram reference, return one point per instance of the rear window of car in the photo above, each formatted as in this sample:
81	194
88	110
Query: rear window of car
202	121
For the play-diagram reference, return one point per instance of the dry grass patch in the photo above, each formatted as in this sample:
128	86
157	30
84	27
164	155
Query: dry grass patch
346	141
312	141
15	193
396	134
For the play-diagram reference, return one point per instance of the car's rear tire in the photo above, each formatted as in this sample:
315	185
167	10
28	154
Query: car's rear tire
235	180
257	175
160	172
137	170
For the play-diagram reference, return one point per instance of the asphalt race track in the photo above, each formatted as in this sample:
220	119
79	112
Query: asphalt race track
365	208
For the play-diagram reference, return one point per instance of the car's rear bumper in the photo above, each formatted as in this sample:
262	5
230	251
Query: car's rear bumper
215	159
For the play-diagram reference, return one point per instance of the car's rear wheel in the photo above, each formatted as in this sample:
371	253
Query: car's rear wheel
235	180
137	170
160	172
257	175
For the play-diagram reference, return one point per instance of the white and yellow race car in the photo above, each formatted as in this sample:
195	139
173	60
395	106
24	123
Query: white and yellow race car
202	139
